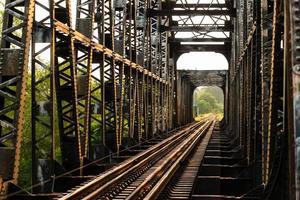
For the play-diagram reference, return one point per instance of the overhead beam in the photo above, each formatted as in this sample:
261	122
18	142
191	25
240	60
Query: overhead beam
226	28
214	48
200	40
167	12
204	77
202	5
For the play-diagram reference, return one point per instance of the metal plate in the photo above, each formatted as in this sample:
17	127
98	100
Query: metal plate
61	14
10	61
82	85
84	26
42	35
6	162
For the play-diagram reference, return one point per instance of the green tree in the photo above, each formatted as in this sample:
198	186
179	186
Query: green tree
209	100
216	92
204	106
1	16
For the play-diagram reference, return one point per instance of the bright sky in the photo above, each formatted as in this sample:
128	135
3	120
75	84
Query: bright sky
202	61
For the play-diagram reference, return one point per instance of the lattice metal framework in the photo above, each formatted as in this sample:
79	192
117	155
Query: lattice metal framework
93	86
110	81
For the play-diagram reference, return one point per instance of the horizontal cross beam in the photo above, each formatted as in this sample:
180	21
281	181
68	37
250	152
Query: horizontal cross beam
200	40
202	47
202	5
227	28
167	12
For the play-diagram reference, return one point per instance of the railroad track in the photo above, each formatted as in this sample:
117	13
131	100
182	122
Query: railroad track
145	175
180	185
68	180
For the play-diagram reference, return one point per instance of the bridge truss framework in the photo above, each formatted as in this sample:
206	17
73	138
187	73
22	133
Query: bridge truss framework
110	80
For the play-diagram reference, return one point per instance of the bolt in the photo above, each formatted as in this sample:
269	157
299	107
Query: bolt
296	69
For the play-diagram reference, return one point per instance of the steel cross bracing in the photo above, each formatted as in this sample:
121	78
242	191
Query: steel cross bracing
106	78
42	99
205	77
262	95
203	20
91	86
14	55
196	26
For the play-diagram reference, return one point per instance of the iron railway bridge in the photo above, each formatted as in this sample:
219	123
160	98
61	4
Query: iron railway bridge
92	105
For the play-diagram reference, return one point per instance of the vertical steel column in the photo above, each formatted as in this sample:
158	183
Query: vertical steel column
67	88
295	22
120	15
43	106
257	120
288	122
101	31
130	44
265	56
14	59
275	94
110	81
152	54
84	60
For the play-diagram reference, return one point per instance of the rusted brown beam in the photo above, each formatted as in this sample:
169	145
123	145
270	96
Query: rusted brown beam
202	47
167	12
64	29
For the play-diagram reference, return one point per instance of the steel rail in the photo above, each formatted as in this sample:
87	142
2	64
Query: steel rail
120	180
104	181
164	181
152	142
163	173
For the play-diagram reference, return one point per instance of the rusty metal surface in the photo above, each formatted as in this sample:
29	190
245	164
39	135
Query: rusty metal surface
205	77
121	59
103	186
13	105
186	178
294	127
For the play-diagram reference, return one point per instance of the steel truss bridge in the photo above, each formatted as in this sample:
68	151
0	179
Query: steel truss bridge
82	82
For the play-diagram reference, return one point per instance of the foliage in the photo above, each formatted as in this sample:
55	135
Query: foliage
208	100
1	16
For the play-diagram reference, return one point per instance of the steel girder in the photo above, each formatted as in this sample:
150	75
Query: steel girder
292	124
14	55
43	95
120	34
199	28
111	79
202	19
259	94
185	91
92	86
205	77
167	12
66	89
